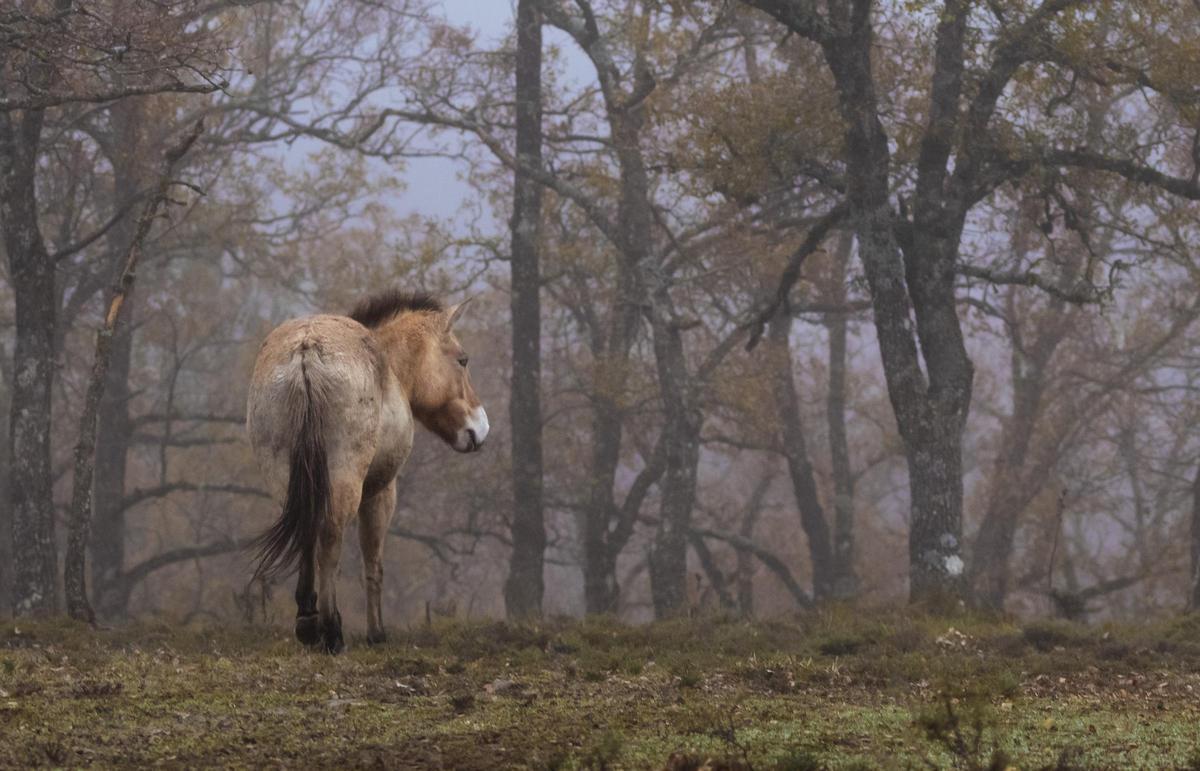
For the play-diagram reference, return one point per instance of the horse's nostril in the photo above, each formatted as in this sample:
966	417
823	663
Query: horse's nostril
473	437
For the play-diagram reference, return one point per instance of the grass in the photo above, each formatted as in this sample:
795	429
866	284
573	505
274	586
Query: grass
838	689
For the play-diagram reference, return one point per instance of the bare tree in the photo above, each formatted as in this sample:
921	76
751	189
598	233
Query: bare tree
80	513
83	65
909	239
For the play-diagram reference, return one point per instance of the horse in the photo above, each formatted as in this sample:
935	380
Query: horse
330	414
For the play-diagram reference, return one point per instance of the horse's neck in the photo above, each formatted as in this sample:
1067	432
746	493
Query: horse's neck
401	343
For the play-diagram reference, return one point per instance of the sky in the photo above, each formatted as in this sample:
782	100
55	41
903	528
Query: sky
491	19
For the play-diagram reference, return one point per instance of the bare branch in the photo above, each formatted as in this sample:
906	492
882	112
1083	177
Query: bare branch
1082	294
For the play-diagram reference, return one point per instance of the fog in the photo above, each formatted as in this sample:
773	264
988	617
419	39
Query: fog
811	329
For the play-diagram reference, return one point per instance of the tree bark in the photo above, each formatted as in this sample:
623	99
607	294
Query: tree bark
916	284
845	577
792	441
114	432
524	588
32	274
681	441
81	490
1195	584
127	149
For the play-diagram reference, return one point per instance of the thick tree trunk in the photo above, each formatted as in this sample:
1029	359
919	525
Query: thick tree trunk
524	588
935	533
681	440
31	273
934	438
795	452
600	588
930	414
845	577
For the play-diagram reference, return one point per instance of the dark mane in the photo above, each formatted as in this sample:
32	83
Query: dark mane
383	306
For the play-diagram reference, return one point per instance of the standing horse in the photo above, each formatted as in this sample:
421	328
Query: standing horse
330	416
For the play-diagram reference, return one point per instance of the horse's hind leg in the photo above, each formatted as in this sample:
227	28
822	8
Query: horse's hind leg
344	502
308	627
374	516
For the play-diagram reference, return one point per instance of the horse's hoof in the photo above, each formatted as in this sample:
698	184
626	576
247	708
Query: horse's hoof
308	629
376	638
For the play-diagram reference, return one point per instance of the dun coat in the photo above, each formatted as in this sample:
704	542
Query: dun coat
330	415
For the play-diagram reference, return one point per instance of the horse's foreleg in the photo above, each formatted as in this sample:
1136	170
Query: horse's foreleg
374	516
344	502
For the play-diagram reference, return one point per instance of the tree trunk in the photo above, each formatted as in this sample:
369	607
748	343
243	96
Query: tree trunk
524	588
1011	487
933	435
74	584
1195	593
600	589
845	577
114	432
611	370
919	282
795	452
81	492
128	148
745	561
31	273
681	440
6	544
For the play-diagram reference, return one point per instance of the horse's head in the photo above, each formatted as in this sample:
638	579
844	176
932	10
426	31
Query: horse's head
442	397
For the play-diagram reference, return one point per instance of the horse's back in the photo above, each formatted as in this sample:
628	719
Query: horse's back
331	362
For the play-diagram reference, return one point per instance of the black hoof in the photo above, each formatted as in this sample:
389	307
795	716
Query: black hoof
376	638
331	635
308	629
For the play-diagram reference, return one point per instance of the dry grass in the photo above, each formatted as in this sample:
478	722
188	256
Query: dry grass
838	689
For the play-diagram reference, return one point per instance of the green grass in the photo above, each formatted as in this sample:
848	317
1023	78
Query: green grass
837	689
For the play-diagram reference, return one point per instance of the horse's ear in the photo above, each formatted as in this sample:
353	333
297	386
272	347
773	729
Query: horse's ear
453	315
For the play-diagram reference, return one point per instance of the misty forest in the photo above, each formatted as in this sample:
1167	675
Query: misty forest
838	363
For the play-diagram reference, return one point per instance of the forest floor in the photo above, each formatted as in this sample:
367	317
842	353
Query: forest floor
836	689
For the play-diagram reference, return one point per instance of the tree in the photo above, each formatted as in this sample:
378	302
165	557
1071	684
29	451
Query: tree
53	58
910	237
80	513
1194	600
523	589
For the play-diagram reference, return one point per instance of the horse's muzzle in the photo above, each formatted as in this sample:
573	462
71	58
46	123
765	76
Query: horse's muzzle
473	434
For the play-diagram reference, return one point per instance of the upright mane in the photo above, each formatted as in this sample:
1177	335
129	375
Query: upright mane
384	306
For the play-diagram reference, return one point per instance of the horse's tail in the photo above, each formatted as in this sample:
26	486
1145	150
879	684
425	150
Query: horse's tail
294	534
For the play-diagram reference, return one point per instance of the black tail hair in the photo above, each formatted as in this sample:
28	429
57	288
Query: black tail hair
294	534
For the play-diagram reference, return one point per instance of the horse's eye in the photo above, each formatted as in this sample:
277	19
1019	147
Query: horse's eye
462	360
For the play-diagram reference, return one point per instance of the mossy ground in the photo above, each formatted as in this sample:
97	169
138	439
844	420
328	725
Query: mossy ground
838	689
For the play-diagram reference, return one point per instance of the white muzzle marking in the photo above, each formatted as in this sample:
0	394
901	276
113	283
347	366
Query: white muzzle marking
477	424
